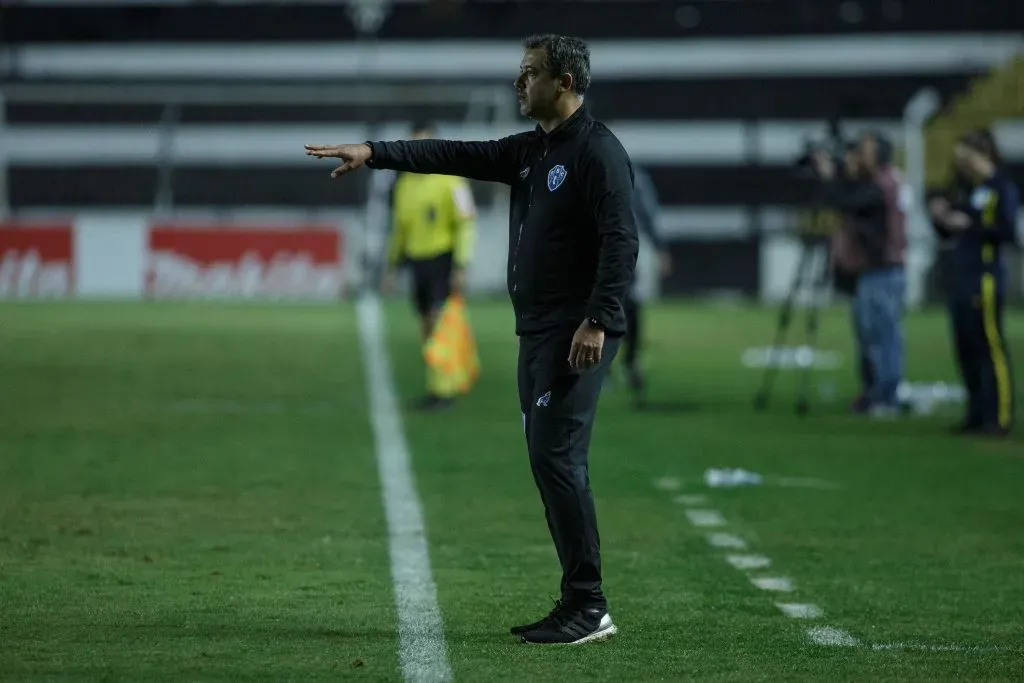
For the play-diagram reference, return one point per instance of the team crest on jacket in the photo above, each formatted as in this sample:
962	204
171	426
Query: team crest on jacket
556	176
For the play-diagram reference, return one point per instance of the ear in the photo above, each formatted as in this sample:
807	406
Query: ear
566	83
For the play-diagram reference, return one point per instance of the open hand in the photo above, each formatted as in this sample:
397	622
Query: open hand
587	345
354	156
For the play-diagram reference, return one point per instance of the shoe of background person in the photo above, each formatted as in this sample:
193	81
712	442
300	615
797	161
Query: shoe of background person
882	411
965	427
991	431
432	403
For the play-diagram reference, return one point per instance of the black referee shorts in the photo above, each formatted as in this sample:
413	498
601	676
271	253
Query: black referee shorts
432	282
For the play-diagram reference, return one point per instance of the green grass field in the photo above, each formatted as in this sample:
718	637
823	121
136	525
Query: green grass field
190	492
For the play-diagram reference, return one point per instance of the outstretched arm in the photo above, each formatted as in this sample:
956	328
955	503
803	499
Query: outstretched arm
491	160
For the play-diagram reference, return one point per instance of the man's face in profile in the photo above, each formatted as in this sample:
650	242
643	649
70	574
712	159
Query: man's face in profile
536	87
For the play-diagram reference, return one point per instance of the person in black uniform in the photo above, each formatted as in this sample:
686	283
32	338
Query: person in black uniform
646	210
977	220
572	252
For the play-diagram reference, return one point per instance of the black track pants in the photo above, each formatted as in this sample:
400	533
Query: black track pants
558	407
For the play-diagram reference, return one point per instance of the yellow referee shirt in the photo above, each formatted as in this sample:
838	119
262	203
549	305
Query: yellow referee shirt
433	215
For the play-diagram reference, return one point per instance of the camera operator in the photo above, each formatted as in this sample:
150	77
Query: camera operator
847	260
874	228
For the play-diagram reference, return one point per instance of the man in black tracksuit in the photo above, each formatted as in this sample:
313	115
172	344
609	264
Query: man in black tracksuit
572	251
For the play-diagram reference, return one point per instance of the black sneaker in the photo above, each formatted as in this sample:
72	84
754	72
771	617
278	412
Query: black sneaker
965	427
519	630
431	403
573	626
992	431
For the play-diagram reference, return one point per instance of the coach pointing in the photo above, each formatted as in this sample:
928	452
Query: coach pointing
572	250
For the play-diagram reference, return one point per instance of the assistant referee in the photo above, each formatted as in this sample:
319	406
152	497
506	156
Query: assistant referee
572	252
433	233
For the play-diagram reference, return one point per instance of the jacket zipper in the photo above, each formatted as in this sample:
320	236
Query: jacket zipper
519	236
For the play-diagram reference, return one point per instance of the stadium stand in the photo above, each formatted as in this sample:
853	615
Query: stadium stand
198	106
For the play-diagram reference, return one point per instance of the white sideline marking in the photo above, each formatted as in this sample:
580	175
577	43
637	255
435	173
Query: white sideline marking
773	583
805	482
795	610
922	647
721	540
829	635
748	561
705	518
420	628
691	499
668	483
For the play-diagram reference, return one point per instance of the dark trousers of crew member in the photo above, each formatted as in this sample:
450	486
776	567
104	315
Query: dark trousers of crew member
558	406
631	342
976	312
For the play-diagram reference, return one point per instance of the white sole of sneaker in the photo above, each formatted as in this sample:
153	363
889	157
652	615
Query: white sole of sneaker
603	633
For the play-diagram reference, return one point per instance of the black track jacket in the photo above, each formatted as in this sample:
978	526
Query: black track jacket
572	235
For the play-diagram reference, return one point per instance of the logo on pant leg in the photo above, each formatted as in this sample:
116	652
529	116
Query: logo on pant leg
544	400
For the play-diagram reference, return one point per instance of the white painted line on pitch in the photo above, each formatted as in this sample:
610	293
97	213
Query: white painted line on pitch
422	649
780	584
805	482
691	499
955	647
705	518
795	610
668	483
748	561
723	540
829	635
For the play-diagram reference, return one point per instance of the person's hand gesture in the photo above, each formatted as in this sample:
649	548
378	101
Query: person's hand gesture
354	156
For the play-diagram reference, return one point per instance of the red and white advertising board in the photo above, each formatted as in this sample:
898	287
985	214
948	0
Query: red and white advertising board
218	261
36	260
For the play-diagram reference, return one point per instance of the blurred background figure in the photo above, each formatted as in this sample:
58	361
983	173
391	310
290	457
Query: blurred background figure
433	232
847	262
648	212
868	198
978	219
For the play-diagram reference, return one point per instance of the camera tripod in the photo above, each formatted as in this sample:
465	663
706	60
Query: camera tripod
812	275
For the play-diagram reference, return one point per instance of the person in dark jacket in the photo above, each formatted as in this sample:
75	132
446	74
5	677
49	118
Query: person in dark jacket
977	220
646	210
572	252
